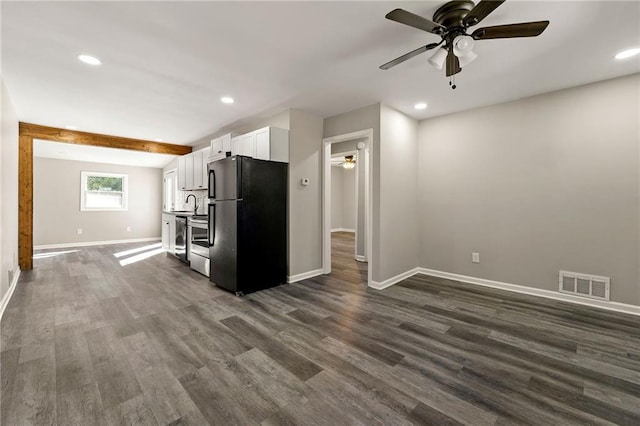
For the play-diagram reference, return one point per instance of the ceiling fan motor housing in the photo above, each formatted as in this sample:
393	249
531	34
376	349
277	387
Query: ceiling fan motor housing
451	14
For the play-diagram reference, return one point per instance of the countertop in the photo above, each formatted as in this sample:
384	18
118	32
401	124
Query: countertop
180	213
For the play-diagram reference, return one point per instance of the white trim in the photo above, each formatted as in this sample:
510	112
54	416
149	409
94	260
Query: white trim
326	196
304	275
611	306
96	243
7	297
360	258
343	230
393	280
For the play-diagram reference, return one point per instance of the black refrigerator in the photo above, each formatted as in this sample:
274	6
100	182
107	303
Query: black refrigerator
247	223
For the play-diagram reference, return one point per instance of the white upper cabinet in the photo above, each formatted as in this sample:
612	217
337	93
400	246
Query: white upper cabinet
248	143
189	171
198	181
182	173
220	146
192	170
268	143
272	144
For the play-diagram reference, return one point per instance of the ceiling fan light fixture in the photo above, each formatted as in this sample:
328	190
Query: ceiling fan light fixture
437	59
467	59
463	49
349	162
463	45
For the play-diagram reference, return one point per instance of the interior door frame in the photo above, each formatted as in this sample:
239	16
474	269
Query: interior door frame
357	194
367	137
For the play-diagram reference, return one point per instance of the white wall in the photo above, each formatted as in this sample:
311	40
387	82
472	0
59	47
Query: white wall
305	202
537	185
398	194
336	197
56	204
348	198
350	147
9	196
343	198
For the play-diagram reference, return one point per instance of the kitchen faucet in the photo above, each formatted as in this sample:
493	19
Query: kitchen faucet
195	202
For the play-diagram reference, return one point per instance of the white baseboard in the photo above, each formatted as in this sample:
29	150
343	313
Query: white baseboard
360	258
304	275
7	297
343	230
96	243
611	306
393	280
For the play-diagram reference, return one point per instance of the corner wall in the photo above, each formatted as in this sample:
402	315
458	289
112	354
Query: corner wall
537	185
9	196
305	202
398	250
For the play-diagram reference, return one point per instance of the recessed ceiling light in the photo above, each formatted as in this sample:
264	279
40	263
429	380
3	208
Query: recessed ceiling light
628	53
226	100
159	140
421	105
88	59
70	127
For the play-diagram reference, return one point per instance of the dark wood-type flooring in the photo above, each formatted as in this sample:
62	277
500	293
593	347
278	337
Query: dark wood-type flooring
86	341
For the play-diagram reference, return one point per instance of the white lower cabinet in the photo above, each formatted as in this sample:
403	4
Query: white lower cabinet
168	232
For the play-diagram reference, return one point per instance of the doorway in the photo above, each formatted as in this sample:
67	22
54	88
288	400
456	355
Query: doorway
351	241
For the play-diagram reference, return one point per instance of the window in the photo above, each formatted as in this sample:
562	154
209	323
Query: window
103	191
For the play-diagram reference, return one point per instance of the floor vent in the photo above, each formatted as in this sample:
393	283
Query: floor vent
585	285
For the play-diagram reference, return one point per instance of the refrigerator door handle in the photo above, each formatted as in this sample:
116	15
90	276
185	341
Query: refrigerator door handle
212	183
212	224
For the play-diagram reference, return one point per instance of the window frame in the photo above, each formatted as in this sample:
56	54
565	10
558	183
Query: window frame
83	190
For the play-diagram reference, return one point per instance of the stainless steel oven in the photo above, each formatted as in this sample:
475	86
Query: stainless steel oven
198	234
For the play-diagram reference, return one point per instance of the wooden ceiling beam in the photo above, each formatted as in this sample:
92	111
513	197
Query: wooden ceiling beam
54	134
27	133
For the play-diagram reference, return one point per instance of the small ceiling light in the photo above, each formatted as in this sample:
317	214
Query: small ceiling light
226	100
70	127
628	53
438	58
421	105
349	162
463	49
88	59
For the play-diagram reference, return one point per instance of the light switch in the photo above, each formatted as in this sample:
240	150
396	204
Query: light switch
475	257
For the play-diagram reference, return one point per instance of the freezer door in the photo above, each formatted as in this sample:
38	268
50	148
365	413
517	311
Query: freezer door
224	179
223	252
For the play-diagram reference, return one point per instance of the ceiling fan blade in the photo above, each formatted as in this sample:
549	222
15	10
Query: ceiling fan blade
525	29
481	11
415	21
407	56
453	64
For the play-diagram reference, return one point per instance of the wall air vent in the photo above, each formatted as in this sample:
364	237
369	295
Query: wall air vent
585	285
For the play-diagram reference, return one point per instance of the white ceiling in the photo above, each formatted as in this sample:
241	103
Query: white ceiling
96	154
166	64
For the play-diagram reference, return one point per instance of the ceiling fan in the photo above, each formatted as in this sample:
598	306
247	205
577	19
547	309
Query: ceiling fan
451	22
